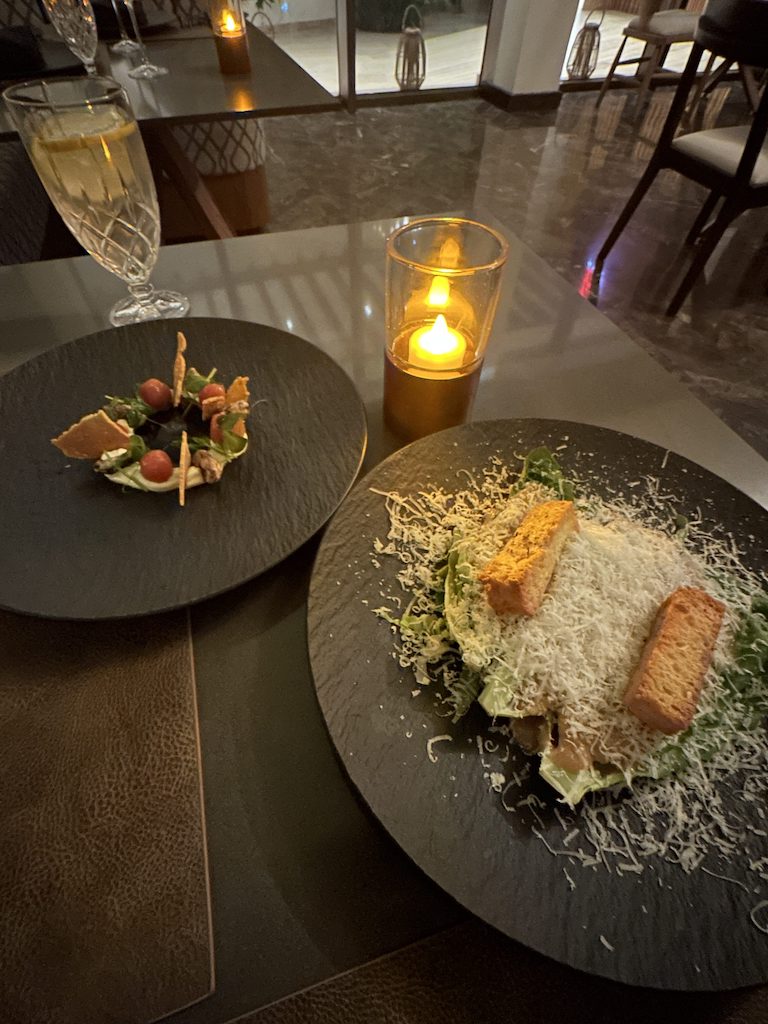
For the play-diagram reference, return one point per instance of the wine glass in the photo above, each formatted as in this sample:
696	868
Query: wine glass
84	142
145	68
125	44
75	22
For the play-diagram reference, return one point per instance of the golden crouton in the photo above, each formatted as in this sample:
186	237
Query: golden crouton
517	578
665	687
91	436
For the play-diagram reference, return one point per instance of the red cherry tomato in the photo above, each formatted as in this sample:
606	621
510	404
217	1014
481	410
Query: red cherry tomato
156	394
156	466
216	432
211	391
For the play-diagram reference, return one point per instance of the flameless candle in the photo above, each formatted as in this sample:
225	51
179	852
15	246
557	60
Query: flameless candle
437	346
229	25
229	32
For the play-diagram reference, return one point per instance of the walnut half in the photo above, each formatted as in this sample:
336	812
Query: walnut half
210	467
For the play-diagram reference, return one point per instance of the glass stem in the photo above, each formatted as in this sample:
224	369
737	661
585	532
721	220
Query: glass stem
143	293
120	22
136	32
90	67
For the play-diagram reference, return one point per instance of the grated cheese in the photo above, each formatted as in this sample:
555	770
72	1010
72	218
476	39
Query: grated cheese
576	656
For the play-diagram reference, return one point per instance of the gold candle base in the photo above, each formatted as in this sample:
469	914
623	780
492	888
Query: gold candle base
232	51
415	406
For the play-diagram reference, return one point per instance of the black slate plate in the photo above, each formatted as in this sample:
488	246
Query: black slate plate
667	929
75	546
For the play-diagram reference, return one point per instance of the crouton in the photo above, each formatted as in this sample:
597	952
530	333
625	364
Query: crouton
91	436
664	689
517	578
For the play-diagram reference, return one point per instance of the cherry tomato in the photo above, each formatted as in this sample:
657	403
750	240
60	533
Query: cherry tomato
156	394
211	391
156	466
216	434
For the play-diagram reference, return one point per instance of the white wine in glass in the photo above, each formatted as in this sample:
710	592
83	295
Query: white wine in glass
87	148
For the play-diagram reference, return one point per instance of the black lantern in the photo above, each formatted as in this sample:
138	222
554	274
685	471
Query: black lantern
411	60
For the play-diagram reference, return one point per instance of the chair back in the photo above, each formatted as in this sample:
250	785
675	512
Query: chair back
736	30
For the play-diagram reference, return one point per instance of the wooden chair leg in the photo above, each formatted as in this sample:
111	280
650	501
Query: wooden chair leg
728	213
608	78
702	217
653	63
624	217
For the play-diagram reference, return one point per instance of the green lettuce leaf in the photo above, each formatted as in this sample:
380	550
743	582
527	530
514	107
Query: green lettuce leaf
573	786
542	467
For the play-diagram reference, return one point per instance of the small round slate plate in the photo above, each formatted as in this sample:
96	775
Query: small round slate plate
660	928
76	546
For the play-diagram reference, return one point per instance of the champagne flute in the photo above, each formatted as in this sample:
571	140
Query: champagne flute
85	145
75	22
125	44
145	68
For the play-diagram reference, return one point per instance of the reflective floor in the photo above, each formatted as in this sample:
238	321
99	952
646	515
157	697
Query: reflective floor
558	180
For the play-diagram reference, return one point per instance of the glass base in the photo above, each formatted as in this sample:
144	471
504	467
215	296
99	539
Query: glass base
147	71
159	305
125	46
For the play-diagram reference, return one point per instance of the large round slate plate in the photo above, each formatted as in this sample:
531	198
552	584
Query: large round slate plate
75	546
667	929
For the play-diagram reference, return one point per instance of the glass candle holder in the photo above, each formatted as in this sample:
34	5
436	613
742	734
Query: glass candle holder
230	35
443	276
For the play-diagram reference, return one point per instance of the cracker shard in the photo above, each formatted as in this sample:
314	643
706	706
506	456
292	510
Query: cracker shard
517	578
91	436
664	689
184	464
179	367
237	391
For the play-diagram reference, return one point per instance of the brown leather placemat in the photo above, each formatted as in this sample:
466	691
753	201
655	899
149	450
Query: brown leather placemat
104	900
471	974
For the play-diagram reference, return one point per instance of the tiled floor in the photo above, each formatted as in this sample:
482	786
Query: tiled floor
558	180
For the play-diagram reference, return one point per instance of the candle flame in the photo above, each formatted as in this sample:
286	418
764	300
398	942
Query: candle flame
439	292
438	340
229	22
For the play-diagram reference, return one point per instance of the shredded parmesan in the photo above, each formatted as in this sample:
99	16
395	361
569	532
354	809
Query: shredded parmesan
575	657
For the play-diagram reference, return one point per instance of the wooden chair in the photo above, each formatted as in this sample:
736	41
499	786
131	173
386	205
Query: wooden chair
658	30
732	163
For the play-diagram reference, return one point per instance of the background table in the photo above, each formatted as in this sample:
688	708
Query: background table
305	884
195	89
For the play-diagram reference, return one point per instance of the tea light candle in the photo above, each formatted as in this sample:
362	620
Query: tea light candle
229	25
437	346
229	32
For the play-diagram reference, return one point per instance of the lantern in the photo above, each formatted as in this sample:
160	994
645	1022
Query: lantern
582	60
411	60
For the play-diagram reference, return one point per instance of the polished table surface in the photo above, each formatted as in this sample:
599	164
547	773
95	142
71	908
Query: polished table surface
305	883
194	89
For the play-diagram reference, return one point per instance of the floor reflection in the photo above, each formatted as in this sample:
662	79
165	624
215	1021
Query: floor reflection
558	180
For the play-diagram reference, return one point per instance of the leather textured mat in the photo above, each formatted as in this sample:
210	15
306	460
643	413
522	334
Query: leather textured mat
471	974
103	871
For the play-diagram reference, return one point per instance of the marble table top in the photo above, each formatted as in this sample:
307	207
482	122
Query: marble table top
298	867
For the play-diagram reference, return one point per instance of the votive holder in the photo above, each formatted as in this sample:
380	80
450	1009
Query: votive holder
231	37
442	289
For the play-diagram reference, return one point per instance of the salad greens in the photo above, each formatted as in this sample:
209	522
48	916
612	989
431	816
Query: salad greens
448	624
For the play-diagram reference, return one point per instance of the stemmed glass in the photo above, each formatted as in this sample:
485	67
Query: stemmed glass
124	45
76	24
145	68
84	142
